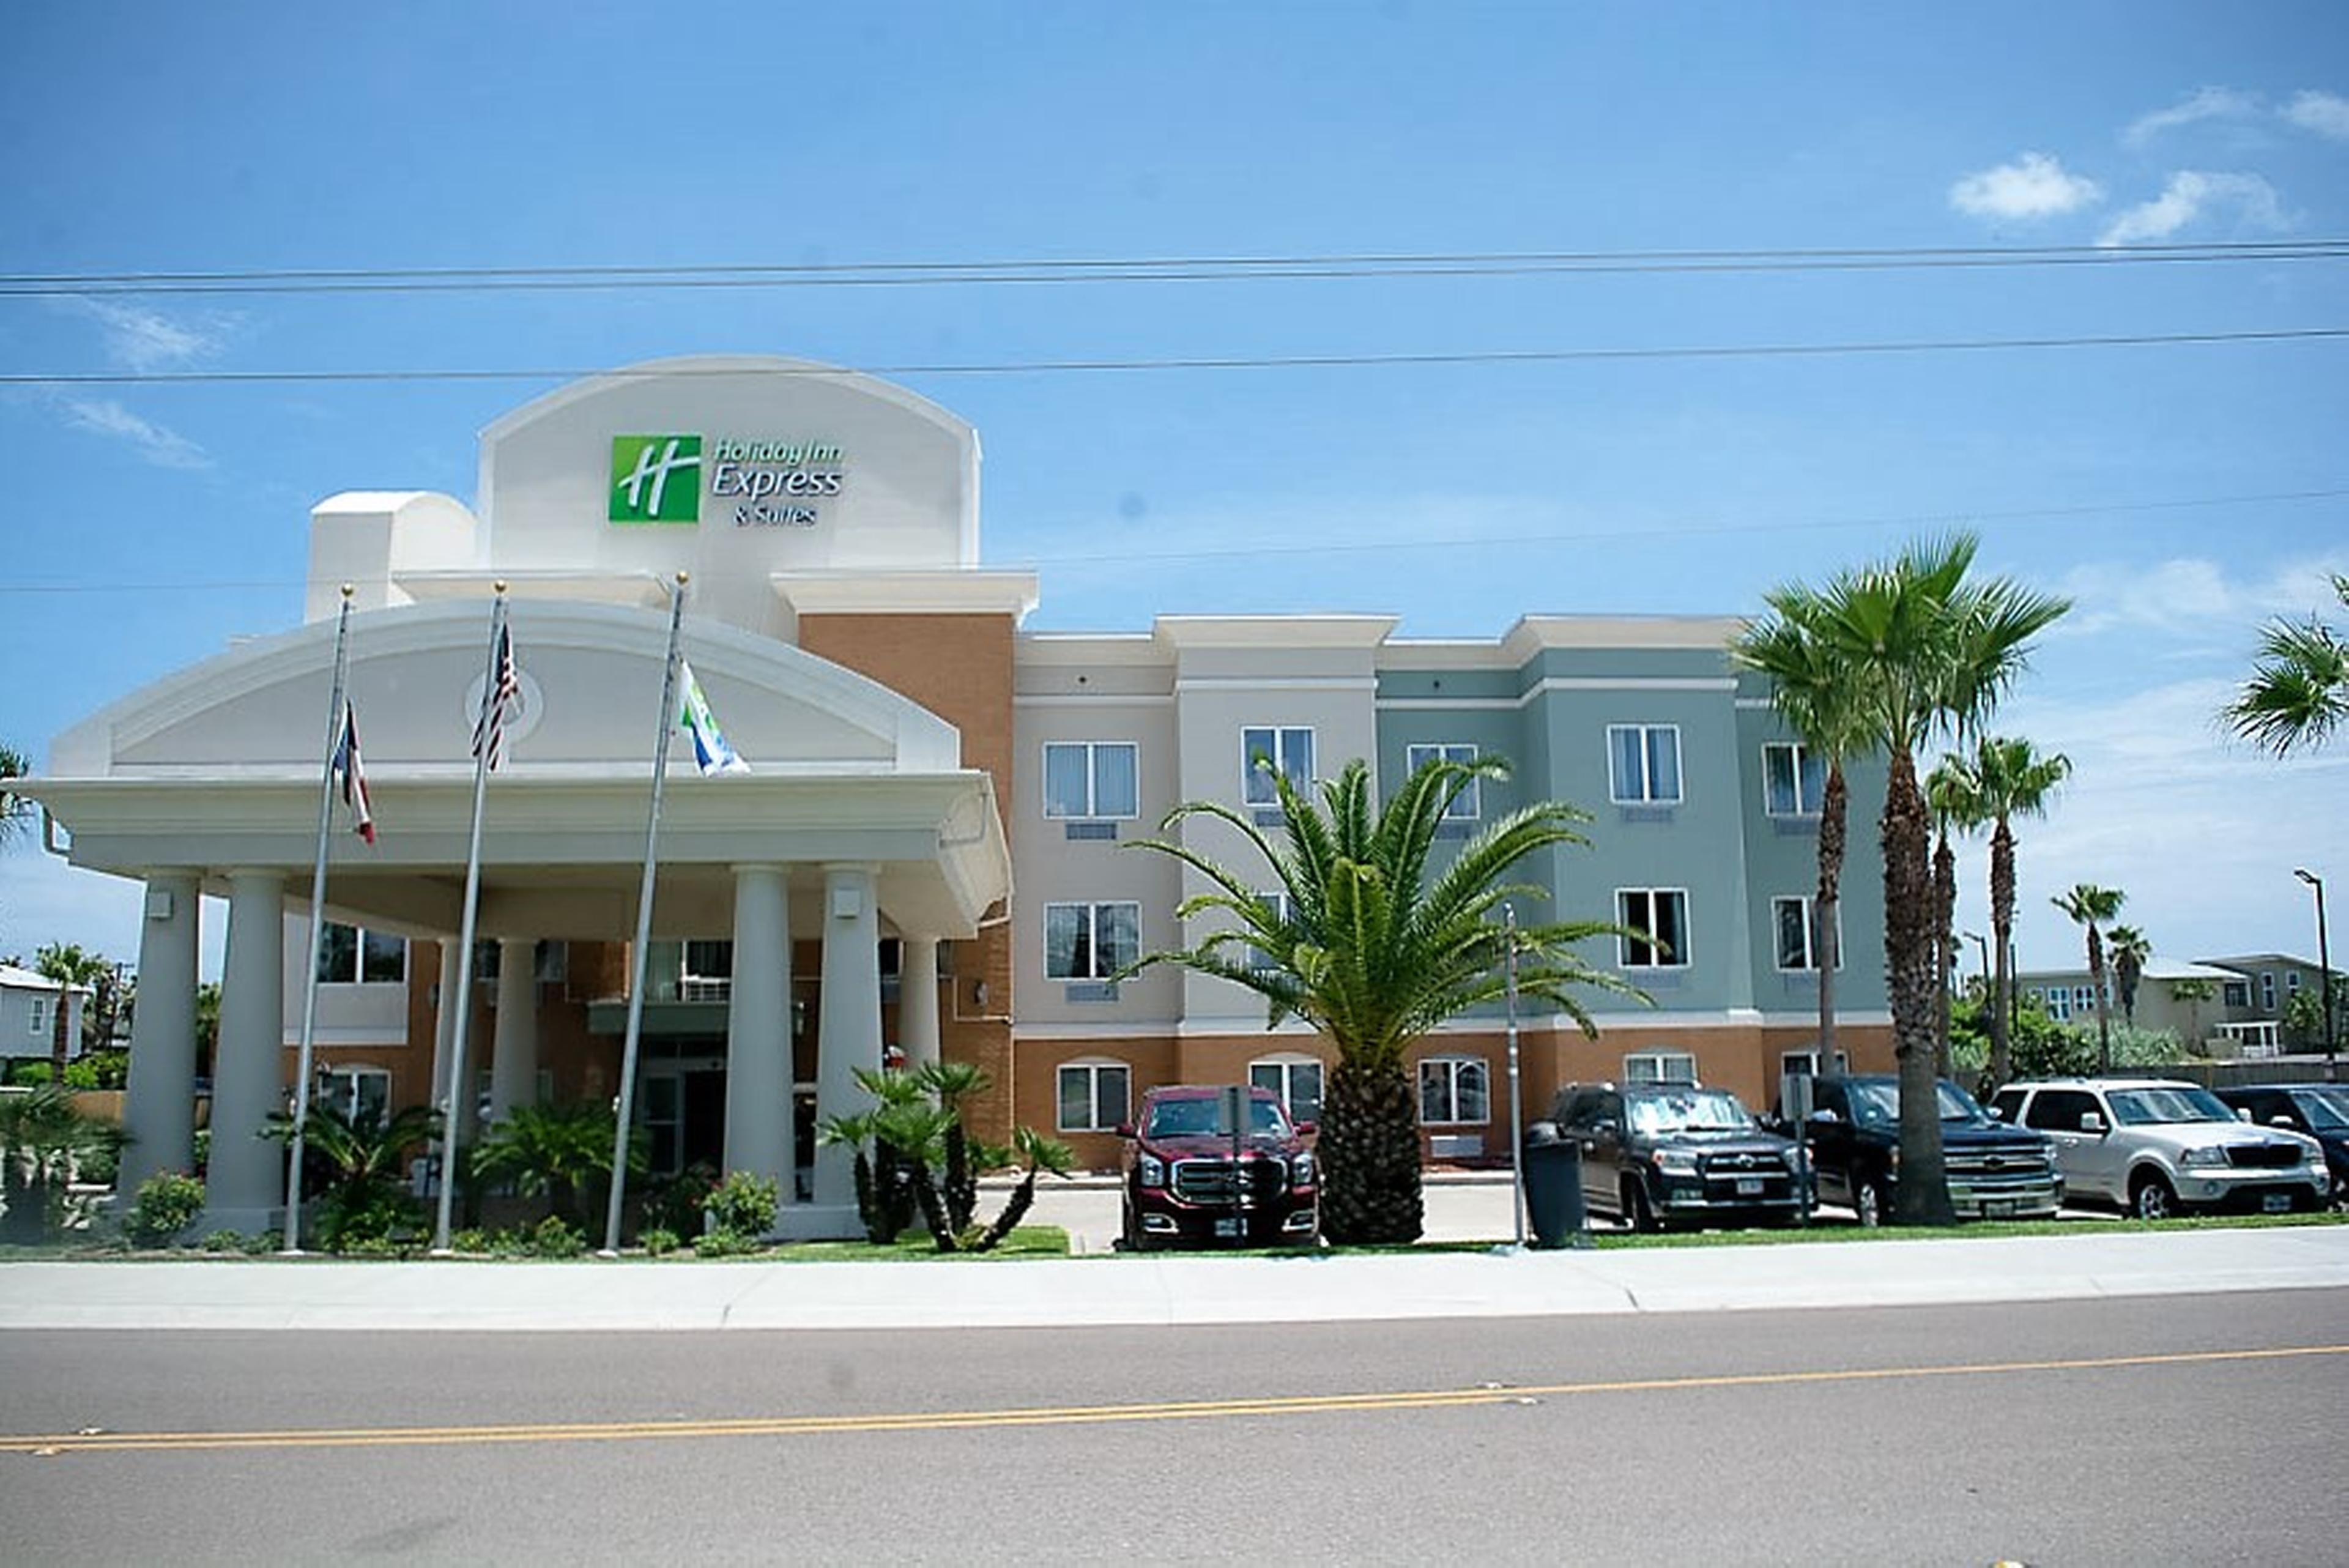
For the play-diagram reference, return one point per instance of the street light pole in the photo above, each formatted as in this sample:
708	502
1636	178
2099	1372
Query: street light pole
2323	974
1981	945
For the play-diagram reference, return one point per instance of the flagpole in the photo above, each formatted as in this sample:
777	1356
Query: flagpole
626	1108
451	1118
295	1146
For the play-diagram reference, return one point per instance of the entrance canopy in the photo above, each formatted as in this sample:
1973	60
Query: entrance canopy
215	770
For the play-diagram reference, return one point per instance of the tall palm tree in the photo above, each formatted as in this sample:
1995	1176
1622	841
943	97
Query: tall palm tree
1815	703
2298	694
73	970
1950	794
2005	778
15	810
2090	905
1374	950
2128	949
1923	652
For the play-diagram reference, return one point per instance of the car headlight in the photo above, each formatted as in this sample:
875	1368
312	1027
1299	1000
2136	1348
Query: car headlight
2216	1155
1301	1171
1151	1169
1678	1161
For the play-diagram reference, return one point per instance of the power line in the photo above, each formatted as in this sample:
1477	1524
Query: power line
1607	532
1232	362
1148	269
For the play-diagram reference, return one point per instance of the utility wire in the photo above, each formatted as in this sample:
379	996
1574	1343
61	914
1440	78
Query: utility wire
1154	269
1232	362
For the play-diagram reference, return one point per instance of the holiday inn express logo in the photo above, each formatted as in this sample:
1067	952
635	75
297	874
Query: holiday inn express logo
656	479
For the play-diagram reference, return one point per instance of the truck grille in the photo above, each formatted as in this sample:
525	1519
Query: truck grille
2263	1156
1212	1181
1985	1170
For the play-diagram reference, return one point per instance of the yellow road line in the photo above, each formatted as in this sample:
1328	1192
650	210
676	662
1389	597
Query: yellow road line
1081	1414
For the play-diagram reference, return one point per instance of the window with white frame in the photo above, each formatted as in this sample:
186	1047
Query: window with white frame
1091	941
1794	780
1256	957
2267	991
1455	1091
1467	800
37	1016
1093	1096
2235	992
1644	764
348	955
1660	1067
1092	779
361	1095
1657	919
1295	1081
2084	998
1289	751
1795	919
1806	1064
2059	1004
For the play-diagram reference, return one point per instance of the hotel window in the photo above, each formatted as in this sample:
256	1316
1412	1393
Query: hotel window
1295	1082
1289	751
1660	1067
1794	780
1796	920
1644	764
1467	800
349	955
1091	779
1093	1096
1091	941
1258	959
1455	1091
362	1095
1658	917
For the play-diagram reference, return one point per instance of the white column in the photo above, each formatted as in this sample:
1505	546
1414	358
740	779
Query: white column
759	1030
917	1001
159	1109
514	1054
849	1030
245	1188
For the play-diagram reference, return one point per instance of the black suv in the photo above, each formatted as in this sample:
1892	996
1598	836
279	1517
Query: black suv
2320	1110
1668	1154
1853	1134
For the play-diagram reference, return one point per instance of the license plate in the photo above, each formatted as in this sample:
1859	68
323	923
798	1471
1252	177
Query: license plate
1999	1210
1749	1187
2277	1202
1228	1227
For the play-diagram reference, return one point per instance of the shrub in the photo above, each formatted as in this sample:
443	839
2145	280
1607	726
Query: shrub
168	1203
378	1247
659	1241
225	1242
29	1074
553	1238
473	1241
743	1203
724	1243
81	1074
674	1203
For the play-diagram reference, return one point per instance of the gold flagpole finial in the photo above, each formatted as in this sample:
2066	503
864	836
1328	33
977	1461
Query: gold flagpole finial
348	590
681	577
500	588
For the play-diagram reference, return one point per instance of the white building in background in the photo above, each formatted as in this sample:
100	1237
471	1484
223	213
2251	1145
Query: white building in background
28	1012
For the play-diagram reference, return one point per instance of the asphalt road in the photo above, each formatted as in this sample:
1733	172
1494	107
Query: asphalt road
2199	1429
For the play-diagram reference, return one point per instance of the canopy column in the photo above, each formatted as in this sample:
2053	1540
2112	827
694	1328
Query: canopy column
849	1028
244	1182
159	1109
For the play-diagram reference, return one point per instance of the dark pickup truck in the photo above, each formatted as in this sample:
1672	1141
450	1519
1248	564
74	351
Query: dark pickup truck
1853	1138
1183	1186
1661	1155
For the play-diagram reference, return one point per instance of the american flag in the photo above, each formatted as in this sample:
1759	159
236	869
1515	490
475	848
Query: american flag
350	777
504	701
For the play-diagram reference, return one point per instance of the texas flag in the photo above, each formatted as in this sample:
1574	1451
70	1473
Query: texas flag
350	775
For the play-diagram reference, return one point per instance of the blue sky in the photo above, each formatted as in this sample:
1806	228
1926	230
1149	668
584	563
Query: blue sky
2166	488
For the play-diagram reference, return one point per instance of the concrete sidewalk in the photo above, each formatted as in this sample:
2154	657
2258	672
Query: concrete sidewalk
1158	1289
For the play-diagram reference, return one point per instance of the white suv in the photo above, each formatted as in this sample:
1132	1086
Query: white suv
2156	1147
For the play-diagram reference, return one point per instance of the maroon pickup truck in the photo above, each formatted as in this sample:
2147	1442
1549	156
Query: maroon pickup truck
1183	1186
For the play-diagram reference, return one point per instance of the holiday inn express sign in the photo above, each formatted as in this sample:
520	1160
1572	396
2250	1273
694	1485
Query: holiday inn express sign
767	484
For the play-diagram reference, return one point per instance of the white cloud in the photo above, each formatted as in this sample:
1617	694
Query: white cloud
2203	103
2327	114
2188	598
164	448
2036	185
2190	194
146	340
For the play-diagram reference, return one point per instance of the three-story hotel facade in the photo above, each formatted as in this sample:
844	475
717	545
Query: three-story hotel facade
932	853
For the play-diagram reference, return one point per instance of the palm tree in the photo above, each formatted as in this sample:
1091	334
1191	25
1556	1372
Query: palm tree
73	970
15	810
2128	948
2004	779
1921	651
2091	906
2193	993
2298	694
1374	950
358	1160
1949	792
43	1136
557	1152
1814	702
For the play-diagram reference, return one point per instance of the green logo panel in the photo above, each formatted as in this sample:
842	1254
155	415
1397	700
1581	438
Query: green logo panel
656	479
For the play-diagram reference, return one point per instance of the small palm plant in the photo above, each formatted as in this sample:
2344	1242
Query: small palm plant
561	1153
358	1160
922	1159
43	1137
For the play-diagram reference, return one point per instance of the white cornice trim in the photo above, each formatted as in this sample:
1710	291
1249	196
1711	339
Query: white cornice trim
1275	683
1093	699
946	592
1298	632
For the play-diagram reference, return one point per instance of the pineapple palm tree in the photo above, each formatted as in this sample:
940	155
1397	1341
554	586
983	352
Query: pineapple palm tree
2298	694
1921	651
2005	778
1374	950
2089	906
2128	949
1815	703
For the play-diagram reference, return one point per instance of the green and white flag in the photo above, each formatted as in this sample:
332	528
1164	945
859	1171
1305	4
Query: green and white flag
711	753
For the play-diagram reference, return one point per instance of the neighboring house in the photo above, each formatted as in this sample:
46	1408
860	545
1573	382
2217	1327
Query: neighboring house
927	858
2242	1017
28	1012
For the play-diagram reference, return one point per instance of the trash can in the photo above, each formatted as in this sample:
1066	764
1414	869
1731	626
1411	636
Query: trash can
1553	1168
